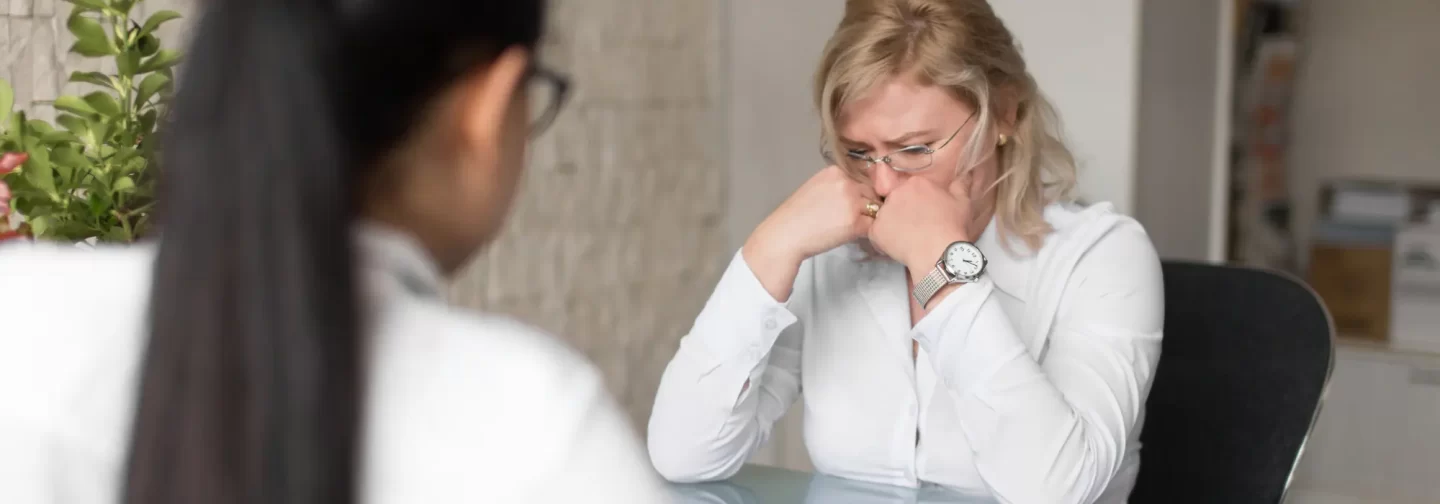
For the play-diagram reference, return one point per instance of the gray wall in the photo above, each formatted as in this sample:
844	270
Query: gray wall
1176	140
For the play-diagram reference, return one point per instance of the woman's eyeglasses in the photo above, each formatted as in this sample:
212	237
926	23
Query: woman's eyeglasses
547	91
910	159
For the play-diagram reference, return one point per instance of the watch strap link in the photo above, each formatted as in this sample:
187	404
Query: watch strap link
929	285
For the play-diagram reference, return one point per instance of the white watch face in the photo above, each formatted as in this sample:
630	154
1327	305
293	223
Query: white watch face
964	260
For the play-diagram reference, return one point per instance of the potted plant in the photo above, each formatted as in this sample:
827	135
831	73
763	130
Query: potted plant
91	176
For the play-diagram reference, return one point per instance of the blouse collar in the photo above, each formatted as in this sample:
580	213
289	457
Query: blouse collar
400	257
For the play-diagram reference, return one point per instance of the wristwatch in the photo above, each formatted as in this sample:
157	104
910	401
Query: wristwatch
962	262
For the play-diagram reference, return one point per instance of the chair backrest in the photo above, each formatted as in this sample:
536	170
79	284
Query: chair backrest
1245	361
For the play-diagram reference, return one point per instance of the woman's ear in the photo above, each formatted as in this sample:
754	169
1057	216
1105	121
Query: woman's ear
485	101
1008	108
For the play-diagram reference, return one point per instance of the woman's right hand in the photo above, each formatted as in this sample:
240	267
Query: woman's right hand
825	212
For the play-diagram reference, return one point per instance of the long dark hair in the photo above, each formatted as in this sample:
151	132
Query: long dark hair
251	385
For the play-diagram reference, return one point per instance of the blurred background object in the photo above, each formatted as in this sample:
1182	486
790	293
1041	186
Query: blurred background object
1299	135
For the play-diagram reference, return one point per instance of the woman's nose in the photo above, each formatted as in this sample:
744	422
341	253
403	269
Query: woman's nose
886	179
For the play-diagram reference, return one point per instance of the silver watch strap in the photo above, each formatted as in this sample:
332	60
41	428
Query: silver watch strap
929	285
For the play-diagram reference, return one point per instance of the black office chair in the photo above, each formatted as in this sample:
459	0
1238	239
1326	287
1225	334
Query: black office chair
1245	361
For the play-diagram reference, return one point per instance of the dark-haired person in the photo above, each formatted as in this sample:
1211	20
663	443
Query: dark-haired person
285	340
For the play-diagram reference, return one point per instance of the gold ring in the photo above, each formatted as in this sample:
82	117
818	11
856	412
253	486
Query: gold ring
871	209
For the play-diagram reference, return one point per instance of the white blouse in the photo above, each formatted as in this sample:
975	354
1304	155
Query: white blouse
461	407
1030	383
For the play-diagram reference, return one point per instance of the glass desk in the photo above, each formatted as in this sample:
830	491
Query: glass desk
769	485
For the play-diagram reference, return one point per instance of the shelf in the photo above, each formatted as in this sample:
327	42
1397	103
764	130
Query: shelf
1383	351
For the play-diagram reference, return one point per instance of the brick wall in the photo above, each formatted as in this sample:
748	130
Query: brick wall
619	234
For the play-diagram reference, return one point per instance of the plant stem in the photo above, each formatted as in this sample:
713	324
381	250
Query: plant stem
125	226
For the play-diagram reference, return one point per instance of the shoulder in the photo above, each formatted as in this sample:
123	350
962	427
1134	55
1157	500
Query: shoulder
24	261
1115	265
477	349
71	295
1104	238
463	365
71	336
454	394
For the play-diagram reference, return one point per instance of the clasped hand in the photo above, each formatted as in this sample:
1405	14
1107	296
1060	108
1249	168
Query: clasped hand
918	218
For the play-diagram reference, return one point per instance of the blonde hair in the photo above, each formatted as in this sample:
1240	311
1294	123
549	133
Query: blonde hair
960	45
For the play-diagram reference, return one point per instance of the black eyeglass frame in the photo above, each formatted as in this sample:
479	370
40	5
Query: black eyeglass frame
559	85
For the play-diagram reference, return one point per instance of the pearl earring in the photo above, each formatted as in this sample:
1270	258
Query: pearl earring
1003	140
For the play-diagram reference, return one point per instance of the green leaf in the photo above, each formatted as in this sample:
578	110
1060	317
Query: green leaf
70	230
40	226
39	127
91	38
123	184
23	192
69	157
137	165
7	101
97	202
123	6
75	105
124	154
64	172
59	137
152	84
98	134
128	62
73	123
124	136
164	59
95	78
103	103
115	235
40	173
147	121
148	44
158	19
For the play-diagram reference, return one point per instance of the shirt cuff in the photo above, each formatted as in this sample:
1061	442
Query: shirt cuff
741	319
968	336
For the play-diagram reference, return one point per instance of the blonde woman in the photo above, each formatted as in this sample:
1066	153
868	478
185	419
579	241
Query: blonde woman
949	318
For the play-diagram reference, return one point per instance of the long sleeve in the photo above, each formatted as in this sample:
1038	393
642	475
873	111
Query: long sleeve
735	373
1055	431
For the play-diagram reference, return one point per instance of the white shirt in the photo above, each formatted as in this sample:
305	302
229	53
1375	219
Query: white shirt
460	407
1029	384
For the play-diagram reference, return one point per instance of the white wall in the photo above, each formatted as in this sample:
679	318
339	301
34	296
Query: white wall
1085	54
1368	97
1182	87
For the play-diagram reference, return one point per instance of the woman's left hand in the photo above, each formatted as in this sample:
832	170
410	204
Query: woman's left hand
920	218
